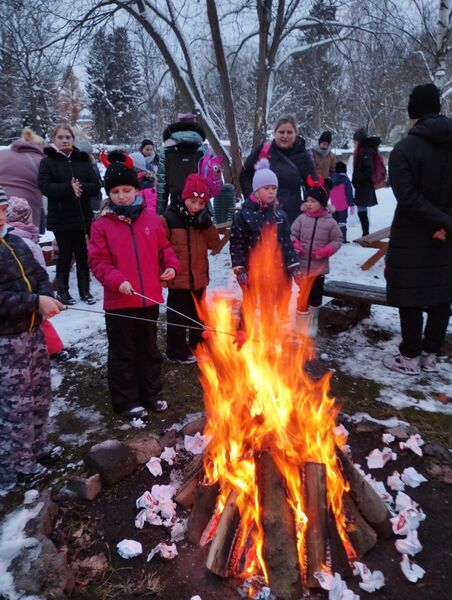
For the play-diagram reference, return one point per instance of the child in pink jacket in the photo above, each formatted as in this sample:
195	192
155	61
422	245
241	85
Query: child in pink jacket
127	245
316	236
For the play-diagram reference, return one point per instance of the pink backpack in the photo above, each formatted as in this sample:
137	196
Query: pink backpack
379	176
210	168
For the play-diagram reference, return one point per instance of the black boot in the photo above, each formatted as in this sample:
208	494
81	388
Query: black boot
62	280
344	232
83	287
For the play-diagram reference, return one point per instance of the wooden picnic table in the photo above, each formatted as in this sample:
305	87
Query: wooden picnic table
379	240
224	229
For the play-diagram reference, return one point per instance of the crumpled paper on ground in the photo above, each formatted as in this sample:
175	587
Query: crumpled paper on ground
379	487
165	551
168	455
147	515
411	570
159	501
371	580
378	458
154	466
341	432
409	545
395	483
336	587
129	548
407	520
178	530
412	478
413	443
387	438
197	443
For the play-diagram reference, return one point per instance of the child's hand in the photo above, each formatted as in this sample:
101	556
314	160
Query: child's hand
323	252
441	234
126	288
298	247
168	274
49	307
77	187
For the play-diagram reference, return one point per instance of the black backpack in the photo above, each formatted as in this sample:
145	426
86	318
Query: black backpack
180	161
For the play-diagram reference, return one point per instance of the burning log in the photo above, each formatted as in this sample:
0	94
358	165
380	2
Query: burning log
316	510
369	503
205	498
222	546
186	493
280	545
339	559
361	535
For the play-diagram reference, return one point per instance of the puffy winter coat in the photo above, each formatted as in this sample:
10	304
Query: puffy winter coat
191	246
363	171
341	195
65	211
123	250
316	230
22	281
292	166
419	267
324	160
19	166
246	231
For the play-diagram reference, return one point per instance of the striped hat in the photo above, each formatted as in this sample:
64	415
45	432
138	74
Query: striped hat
3	197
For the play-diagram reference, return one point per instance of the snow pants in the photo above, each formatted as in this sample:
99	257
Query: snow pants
25	397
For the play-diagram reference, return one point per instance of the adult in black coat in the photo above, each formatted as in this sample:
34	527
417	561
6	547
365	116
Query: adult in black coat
419	257
363	172
67	178
290	161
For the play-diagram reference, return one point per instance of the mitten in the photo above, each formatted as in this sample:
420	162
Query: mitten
324	252
298	247
202	219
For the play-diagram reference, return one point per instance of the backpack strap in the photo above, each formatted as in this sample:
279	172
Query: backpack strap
265	151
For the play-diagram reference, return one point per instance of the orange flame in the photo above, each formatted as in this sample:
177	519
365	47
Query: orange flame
260	398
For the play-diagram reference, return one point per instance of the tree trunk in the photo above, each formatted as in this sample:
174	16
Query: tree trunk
442	43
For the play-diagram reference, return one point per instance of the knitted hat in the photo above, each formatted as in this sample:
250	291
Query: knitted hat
424	100
3	197
139	162
19	211
119	171
263	175
196	186
341	167
85	146
360	135
317	190
325	137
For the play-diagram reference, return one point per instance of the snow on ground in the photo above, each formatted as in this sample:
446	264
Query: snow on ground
82	327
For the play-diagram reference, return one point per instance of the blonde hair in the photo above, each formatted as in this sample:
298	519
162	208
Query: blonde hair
28	135
62	126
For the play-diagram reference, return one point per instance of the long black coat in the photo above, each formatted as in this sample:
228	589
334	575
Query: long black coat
418	267
22	281
65	211
291	166
363	171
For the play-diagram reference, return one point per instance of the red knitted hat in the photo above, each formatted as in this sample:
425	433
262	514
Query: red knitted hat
196	186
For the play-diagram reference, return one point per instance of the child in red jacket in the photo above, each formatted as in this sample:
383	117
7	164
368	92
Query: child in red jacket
127	245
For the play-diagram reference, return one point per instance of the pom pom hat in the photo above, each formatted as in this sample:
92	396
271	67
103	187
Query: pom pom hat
3	197
19	211
424	100
317	190
119	171
196	186
263	175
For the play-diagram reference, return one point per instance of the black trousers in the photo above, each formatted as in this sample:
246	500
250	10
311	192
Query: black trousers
176	337
134	360
315	294
411	323
71	243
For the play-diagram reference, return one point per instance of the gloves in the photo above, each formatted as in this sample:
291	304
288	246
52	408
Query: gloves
323	252
298	247
202	219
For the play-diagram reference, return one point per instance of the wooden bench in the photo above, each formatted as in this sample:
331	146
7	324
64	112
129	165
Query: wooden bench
223	229
374	240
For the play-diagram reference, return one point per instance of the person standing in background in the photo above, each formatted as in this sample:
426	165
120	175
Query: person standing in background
324	158
147	149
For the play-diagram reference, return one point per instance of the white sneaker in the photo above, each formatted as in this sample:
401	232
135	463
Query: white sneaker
428	362
402	364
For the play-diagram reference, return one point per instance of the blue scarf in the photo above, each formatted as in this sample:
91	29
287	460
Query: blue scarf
4	230
130	211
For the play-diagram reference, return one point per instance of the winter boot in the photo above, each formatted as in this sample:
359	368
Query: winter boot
343	227
402	364
364	219
83	287
313	320
62	279
302	322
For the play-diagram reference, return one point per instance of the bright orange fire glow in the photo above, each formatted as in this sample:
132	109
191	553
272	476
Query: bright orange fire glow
260	398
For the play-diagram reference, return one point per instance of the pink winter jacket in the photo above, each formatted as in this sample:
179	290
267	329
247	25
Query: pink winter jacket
316	230
120	250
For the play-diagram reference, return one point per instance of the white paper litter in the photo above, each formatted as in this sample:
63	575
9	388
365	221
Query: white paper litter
411	570
371	580
155	466
138	423
340	431
129	548
387	438
197	443
165	551
337	588
412	478
178	530
413	443
168	455
379	487
195	598
410	545
147	515
407	520
145	500
395	483
378	458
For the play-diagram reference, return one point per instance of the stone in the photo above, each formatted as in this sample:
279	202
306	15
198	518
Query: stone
369	427
144	446
193	427
441	472
112	459
402	432
436	451
168	439
339	315
42	524
85	486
